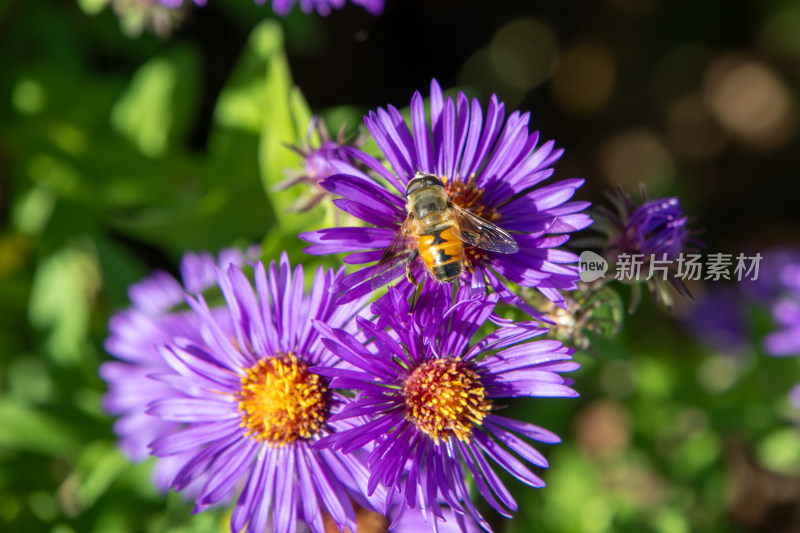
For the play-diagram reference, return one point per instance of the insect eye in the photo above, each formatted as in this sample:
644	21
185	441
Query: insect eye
434	181
421	180
415	184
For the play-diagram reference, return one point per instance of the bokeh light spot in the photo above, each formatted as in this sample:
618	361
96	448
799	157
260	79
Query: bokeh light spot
478	72
751	101
692	130
719	373
584	80
780	451
617	379
523	53
28	96
637	156
603	428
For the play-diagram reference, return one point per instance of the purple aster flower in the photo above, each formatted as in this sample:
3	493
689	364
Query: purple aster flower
134	334
785	341
720	317
655	227
783	278
432	398
776	276
318	162
251	408
491	165
283	7
657	231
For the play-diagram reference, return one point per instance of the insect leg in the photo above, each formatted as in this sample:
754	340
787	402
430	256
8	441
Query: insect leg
409	276
415	297
412	279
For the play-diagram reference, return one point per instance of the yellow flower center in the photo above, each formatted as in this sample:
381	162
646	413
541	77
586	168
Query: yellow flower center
445	398
467	196
281	401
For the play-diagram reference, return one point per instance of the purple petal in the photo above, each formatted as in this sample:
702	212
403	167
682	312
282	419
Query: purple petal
507	461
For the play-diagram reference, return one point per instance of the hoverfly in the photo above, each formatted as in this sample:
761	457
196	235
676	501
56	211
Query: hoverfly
437	231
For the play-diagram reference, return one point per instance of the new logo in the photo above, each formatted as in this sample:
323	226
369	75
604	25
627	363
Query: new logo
591	266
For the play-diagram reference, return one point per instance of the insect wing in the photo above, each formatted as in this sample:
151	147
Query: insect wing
476	231
394	259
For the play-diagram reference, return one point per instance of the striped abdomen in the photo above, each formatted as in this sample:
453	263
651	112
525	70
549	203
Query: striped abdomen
441	252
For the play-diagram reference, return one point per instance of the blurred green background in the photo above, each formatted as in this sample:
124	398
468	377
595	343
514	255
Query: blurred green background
120	152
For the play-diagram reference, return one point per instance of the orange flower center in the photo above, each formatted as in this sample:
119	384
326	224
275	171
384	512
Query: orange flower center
280	400
445	398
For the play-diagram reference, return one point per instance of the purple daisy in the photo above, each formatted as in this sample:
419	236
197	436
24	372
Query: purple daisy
720	316
776	276
251	408
134	334
284	7
785	286
784	272
432	398
492	168
656	227
785	341
656	231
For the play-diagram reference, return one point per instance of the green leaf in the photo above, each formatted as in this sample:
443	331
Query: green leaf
278	128
301	114
239	107
225	205
68	219
32	210
285	117
100	464
219	219
606	347
63	285
241	102
156	106
120	270
143	113
29	380
260	98
27	429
